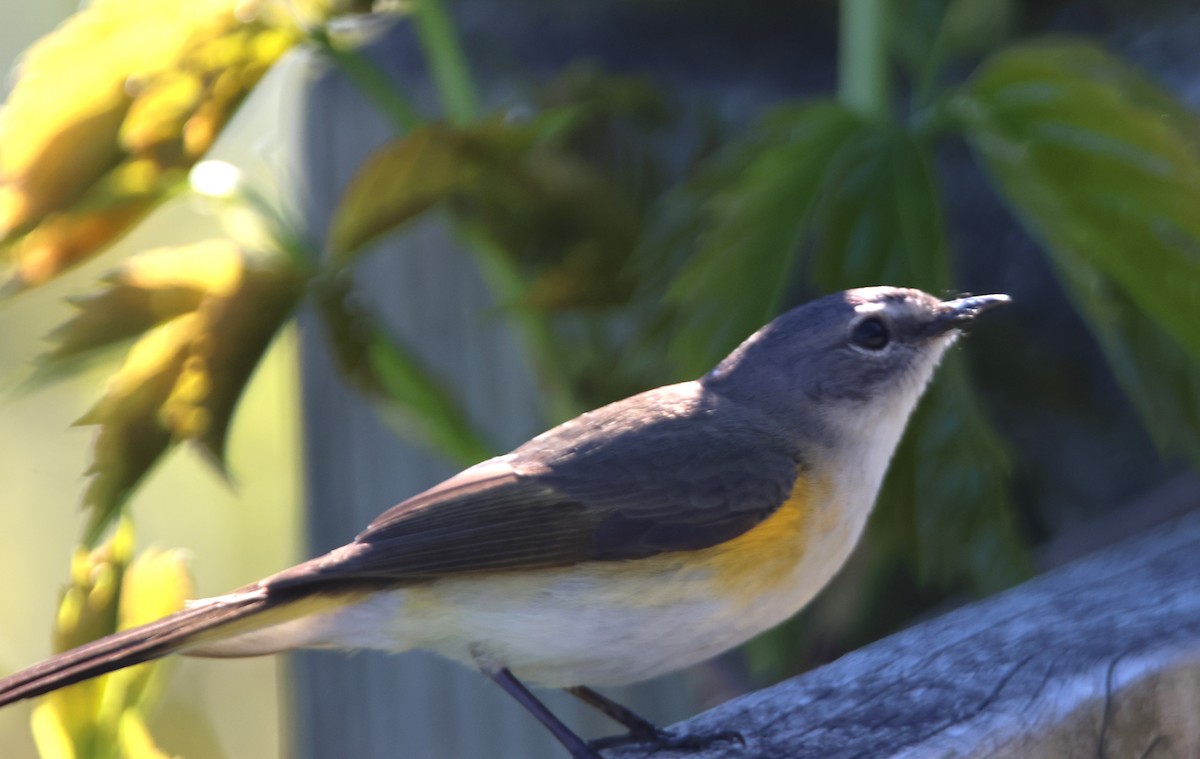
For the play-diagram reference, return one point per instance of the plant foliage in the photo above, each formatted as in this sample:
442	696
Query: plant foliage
618	269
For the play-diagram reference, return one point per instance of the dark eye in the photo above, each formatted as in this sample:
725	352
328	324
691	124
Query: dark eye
871	334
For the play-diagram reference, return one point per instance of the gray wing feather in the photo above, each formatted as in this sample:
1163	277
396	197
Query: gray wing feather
631	480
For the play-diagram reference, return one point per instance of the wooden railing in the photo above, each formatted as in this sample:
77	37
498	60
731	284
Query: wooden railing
1100	659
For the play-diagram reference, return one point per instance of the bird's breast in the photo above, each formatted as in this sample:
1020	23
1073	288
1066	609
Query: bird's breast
623	621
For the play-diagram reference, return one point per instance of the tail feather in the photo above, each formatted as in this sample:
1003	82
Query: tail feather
135	646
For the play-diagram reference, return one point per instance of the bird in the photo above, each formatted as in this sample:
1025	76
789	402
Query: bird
633	540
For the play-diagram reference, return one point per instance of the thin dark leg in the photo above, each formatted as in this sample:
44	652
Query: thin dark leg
639	727
642	730
576	745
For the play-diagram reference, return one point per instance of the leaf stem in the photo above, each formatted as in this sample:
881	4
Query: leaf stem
447	62
373	82
506	281
863	83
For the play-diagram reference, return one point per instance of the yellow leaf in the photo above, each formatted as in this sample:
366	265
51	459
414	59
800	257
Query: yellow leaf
159	113
212	266
51	736
58	128
88	609
146	291
238	327
101	717
156	584
122	83
72	721
64	239
136	741
131	437
208	312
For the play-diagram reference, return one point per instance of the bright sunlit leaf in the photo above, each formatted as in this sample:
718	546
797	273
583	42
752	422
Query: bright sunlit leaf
109	590
135	739
124	90
238	328
131	437
105	211
156	584
147	290
211	309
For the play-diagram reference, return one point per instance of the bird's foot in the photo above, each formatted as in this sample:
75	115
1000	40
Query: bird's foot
668	741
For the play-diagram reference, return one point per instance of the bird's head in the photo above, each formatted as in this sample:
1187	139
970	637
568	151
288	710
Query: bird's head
849	361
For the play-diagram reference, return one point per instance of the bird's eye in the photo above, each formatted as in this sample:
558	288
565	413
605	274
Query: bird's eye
871	334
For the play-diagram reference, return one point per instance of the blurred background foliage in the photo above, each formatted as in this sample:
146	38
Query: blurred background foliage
630	242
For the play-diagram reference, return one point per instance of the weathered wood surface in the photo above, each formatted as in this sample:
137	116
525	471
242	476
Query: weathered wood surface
1100	659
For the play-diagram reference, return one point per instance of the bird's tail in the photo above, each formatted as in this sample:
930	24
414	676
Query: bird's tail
201	623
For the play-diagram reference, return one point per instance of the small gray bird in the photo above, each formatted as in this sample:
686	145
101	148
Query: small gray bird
633	540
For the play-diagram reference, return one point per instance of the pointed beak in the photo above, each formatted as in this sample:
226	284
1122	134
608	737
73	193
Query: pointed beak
955	314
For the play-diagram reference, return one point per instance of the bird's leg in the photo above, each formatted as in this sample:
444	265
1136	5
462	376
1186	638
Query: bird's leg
577	746
642	730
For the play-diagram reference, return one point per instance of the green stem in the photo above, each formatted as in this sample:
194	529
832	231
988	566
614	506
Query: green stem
457	92
505	280
373	82
447	62
863	83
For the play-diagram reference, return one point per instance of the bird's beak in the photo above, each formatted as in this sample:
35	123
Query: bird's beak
960	312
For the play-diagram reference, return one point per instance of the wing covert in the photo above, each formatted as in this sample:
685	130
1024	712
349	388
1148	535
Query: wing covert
624	482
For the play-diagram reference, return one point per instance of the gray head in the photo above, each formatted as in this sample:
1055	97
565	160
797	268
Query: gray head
848	361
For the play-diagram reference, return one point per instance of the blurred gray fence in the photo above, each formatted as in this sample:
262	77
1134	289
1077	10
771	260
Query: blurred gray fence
409	706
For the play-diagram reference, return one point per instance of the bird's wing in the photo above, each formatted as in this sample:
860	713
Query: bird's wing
605	487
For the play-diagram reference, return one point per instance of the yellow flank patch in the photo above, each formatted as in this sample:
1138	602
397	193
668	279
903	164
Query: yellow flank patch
764	557
743	569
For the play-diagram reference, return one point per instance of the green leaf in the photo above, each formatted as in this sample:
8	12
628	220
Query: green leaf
413	401
1102	166
757	204
567	225
976	25
447	61
880	219
945	503
410	174
1162	380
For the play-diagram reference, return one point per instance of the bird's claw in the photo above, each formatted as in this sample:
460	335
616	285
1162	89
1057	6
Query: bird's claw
668	741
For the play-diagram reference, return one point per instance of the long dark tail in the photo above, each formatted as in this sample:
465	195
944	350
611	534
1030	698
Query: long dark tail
168	635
